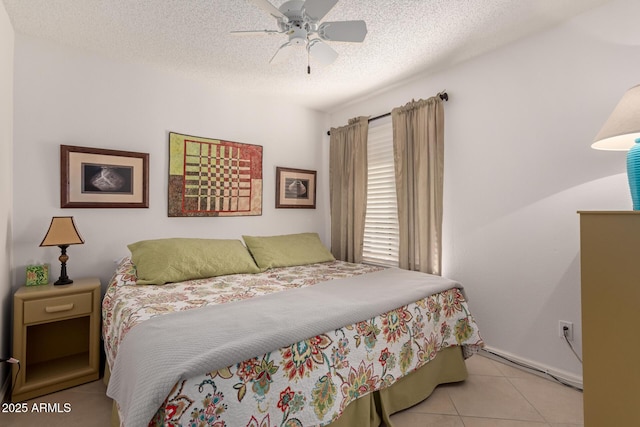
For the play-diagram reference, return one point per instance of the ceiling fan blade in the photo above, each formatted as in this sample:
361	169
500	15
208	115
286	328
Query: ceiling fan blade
317	9
255	32
321	51
270	9
282	54
343	31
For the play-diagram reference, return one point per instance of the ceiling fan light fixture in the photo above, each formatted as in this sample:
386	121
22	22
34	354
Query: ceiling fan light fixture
297	36
300	21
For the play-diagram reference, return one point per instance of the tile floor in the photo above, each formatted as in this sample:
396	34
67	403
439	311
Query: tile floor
494	395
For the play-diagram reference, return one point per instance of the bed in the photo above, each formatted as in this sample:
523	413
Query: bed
275	332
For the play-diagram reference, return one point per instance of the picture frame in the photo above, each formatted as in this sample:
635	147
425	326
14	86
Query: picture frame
102	178
295	188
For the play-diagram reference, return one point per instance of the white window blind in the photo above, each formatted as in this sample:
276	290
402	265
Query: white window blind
381	221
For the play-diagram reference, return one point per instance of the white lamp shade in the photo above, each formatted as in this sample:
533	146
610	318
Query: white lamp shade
622	128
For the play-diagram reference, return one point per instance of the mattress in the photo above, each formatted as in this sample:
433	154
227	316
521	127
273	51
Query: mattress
310	382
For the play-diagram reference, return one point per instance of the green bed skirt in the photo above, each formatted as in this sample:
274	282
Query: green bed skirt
372	409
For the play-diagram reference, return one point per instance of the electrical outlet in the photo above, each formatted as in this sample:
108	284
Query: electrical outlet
562	324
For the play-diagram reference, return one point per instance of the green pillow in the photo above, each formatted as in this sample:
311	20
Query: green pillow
176	260
287	250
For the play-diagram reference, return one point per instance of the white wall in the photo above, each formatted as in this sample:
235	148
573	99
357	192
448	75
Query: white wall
64	96
6	146
518	165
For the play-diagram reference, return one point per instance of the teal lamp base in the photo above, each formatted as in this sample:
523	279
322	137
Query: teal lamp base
633	173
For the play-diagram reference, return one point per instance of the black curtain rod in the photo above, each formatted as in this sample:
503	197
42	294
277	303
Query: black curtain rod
443	95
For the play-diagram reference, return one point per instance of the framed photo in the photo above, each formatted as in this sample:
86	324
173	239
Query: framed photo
295	188
99	178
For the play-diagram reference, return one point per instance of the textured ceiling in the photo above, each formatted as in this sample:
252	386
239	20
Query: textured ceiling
405	38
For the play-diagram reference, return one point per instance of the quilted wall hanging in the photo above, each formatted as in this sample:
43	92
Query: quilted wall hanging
212	177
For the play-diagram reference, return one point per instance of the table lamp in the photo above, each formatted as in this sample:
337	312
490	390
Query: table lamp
62	233
621	132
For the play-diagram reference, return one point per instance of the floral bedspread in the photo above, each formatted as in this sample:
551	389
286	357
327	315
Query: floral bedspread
306	384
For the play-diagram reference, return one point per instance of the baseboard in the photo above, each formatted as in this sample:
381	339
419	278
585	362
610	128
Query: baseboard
531	366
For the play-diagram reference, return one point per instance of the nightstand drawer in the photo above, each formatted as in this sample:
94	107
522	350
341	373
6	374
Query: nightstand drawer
57	308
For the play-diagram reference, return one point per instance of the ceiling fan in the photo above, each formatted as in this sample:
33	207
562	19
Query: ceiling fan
300	21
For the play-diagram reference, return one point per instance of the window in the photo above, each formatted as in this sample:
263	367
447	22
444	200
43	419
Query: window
381	221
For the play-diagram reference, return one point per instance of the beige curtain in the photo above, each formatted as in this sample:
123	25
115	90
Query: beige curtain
418	145
348	188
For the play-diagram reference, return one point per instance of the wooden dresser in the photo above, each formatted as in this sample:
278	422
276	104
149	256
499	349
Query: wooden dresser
610	269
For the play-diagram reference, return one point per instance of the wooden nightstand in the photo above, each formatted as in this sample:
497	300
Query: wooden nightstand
56	337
